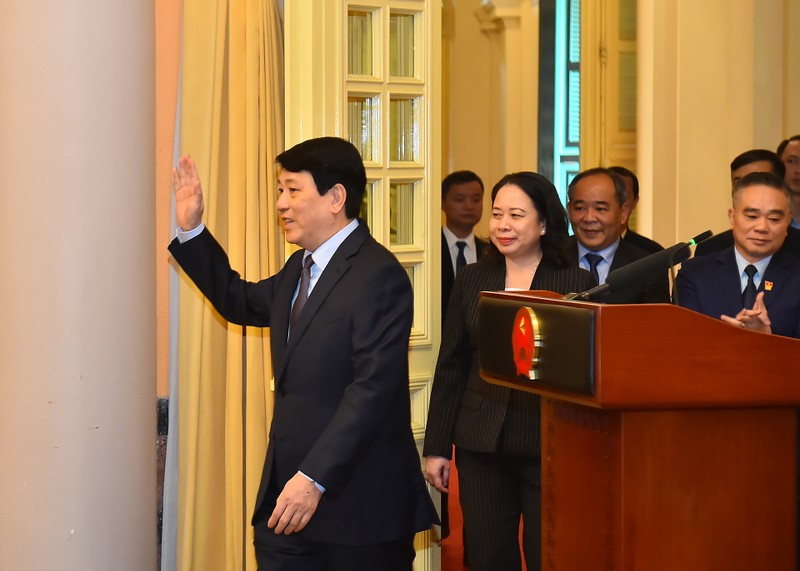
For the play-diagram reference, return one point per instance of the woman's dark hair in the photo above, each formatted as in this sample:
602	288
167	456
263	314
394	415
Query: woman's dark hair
551	213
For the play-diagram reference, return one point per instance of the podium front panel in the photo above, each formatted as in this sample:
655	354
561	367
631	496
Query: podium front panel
524	345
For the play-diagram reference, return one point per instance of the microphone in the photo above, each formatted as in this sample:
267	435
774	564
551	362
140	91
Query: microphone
693	242
642	268
702	237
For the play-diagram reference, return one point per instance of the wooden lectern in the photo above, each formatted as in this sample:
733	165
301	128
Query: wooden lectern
669	439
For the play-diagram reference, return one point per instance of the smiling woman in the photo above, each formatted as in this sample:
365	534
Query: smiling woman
496	430
516	230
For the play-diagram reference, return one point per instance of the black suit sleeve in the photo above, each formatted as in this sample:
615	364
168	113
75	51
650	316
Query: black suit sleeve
207	264
686	290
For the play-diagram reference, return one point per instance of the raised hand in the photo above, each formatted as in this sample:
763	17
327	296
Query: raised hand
188	194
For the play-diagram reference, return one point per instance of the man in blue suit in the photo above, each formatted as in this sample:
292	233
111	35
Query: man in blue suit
342	484
754	284
753	160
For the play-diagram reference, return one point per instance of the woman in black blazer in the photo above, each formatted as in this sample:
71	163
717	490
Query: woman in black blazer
496	429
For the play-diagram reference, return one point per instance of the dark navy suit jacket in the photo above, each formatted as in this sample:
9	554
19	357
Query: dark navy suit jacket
642	242
711	285
342	409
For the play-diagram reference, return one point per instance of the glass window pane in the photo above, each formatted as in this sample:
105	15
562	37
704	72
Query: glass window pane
359	41
627	20
366	204
410	272
401	45
404	129
627	91
401	213
362	125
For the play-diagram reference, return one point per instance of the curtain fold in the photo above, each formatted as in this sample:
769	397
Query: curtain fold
231	122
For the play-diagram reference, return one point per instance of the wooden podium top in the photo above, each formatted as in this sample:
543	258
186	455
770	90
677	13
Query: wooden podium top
654	356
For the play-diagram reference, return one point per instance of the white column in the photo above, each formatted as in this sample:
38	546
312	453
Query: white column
77	288
516	24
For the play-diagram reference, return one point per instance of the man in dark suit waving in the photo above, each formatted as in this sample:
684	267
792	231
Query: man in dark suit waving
342	486
754	284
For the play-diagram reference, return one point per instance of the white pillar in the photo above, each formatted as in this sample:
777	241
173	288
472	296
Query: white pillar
516	24
77	286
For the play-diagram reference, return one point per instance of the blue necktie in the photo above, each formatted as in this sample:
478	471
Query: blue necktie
594	260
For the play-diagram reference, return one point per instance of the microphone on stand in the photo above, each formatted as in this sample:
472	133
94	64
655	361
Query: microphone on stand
642	269
693	242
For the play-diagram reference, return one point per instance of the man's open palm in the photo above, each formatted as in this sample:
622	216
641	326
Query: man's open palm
188	194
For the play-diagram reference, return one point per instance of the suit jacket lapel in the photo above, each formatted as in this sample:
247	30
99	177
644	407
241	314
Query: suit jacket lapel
777	273
334	271
621	256
728	278
281	311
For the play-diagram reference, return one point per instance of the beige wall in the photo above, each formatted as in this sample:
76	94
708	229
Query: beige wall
715	78
469	100
490	89
711	86
791	68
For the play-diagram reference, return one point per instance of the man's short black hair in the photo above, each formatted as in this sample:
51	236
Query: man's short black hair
758	155
784	143
622	171
459	177
762	179
616	179
330	160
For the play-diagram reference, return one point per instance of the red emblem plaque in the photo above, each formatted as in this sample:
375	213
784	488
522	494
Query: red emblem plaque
526	341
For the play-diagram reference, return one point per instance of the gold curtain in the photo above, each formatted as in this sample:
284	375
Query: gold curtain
231	122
